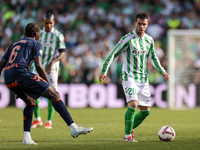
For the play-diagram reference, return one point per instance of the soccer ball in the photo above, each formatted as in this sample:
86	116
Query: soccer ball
166	133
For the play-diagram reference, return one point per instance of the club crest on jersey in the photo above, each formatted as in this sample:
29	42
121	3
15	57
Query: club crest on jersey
120	40
147	43
135	52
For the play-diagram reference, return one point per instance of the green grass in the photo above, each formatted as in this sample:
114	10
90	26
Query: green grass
108	131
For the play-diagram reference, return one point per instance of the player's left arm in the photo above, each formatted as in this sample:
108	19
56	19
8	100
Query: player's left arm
152	57
2	65
61	48
62	53
39	67
165	76
5	59
29	66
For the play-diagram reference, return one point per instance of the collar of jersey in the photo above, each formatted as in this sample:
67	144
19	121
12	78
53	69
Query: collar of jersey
134	32
48	32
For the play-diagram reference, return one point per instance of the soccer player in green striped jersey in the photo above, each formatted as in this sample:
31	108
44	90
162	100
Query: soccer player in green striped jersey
136	47
53	50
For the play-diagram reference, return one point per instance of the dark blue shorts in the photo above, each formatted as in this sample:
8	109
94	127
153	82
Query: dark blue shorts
32	85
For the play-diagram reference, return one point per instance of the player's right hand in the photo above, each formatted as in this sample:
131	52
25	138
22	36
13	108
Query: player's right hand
102	77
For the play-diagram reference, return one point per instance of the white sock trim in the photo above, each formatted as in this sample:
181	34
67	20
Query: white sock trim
73	126
145	110
27	135
127	135
49	121
38	119
133	108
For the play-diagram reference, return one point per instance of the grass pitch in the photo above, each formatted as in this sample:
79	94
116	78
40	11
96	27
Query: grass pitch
108	131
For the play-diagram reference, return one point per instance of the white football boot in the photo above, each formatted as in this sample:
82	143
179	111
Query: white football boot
80	130
28	142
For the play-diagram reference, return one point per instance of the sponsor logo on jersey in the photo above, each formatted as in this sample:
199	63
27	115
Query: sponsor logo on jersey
135	52
147	43
11	66
47	44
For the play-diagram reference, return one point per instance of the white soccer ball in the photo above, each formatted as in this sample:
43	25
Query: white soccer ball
166	133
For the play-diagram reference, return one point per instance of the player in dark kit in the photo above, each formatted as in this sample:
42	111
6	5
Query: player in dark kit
29	86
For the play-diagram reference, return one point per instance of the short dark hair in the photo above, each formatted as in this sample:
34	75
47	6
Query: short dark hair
31	29
141	15
49	15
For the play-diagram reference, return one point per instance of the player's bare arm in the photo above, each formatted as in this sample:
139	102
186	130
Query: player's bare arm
165	76
40	69
2	65
102	77
29	66
58	58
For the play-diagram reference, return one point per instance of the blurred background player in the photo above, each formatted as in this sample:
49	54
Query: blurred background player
136	47
53	51
29	86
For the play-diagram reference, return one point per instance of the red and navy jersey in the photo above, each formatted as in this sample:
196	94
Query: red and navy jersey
18	57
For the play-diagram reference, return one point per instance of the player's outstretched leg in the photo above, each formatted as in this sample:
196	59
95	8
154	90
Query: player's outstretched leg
37	121
139	117
59	106
75	130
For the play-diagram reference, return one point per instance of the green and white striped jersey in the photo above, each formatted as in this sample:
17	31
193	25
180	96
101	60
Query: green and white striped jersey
135	52
51	42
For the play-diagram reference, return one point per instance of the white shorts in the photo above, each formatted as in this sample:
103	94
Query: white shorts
137	91
53	76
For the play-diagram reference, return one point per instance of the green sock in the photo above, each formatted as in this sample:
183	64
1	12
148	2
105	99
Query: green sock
139	117
51	110
37	108
129	119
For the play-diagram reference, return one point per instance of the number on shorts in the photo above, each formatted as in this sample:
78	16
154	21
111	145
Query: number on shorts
130	91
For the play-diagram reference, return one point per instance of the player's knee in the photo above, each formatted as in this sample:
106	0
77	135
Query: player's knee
57	95
51	94
145	113
29	100
133	104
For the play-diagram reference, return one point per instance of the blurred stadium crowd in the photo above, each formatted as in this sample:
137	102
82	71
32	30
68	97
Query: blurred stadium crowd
93	27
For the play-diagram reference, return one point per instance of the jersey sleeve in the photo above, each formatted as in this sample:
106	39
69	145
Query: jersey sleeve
61	44
152	57
114	53
7	54
37	50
